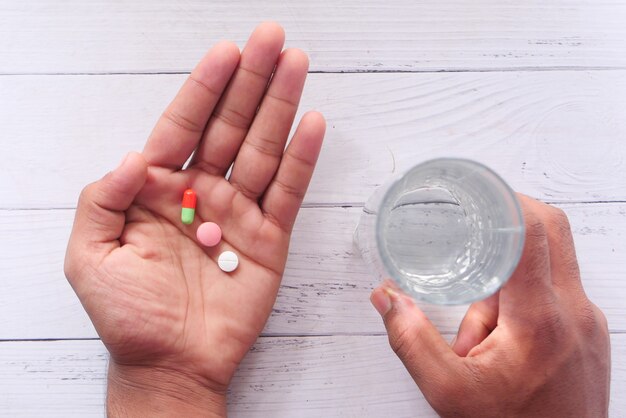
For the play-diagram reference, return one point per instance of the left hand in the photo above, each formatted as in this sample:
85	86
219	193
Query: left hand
177	326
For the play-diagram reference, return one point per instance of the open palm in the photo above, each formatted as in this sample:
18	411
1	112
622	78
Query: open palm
155	295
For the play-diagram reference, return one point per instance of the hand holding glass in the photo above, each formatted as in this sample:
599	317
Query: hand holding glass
448	231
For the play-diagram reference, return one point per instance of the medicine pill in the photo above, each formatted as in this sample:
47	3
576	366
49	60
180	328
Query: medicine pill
189	207
228	261
209	234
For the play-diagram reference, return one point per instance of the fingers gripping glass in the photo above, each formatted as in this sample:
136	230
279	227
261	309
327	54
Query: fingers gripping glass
448	231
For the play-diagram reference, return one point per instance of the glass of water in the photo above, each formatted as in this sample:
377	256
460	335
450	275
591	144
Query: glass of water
447	231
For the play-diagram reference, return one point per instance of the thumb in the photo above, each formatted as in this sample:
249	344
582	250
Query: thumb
100	216
427	356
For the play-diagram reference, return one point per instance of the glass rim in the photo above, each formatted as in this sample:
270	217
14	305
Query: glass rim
517	215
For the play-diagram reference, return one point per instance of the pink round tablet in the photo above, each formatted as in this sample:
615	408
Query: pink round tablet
209	234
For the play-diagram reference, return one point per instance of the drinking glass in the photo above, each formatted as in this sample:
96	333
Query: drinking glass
448	231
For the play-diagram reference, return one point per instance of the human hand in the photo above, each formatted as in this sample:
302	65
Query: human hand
176	326
537	348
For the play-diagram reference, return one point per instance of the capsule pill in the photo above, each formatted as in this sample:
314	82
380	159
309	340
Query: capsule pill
189	207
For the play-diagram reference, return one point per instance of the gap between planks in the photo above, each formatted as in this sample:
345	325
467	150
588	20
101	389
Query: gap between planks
346	205
353	71
271	335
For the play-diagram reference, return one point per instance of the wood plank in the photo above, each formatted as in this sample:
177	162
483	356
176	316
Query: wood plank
337	376
325	288
559	136
398	35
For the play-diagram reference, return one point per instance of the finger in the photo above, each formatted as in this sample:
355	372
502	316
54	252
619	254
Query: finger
100	216
233	116
530	284
284	195
426	355
563	262
180	128
261	151
480	319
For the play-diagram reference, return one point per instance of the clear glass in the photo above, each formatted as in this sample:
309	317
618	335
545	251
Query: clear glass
448	231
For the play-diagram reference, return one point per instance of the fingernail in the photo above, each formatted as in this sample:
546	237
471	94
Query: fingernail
382	300
390	292
393	287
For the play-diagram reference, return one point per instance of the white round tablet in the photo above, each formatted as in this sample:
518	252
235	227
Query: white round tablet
228	261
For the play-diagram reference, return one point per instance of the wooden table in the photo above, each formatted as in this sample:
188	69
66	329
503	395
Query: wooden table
534	89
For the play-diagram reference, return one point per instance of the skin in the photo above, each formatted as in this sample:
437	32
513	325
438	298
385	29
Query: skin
175	325
537	348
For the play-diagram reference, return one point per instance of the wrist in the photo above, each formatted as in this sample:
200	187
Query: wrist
144	391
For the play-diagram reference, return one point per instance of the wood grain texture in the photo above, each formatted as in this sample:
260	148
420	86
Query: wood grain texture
336	376
507	96
163	36
325	288
559	136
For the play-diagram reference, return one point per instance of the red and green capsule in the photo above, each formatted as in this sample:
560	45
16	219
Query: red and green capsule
189	207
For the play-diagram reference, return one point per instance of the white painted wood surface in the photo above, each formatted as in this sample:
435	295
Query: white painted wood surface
536	90
338	376
325	289
559	136
102	36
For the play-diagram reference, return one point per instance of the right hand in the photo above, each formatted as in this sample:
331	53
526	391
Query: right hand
536	348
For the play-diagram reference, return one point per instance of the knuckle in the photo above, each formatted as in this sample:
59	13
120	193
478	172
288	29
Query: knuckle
551	330
591	321
245	190
87	205
211	167
289	189
69	266
534	267
74	262
233	118
401	342
278	223
181	121
558	219
535	228
265	146
602	321
87	194
299	160
282	101
87	200
203	85
89	210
